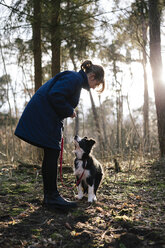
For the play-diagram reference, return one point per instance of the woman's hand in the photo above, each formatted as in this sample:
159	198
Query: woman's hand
74	115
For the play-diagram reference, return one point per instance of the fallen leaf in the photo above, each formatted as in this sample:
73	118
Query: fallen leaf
99	209
67	225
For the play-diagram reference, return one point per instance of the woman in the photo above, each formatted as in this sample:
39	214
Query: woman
42	121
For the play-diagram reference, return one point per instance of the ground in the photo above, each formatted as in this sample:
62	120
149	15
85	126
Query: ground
129	213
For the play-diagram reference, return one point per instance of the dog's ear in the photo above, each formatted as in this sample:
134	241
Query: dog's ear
92	142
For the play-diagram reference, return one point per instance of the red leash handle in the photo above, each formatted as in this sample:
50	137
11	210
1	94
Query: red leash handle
61	157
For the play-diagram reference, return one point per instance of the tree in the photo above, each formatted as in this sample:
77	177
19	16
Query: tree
133	30
3	94
112	52
25	13
77	21
67	29
144	20
36	27
77	125
97	123
156	65
55	31
140	20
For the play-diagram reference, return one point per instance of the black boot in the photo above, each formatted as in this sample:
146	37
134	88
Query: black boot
52	198
55	201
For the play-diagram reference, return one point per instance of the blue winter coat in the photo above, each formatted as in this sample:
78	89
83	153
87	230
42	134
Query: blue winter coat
42	120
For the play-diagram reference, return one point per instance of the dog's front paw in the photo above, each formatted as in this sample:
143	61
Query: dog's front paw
79	197
95	199
92	198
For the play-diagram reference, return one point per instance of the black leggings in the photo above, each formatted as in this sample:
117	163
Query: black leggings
49	169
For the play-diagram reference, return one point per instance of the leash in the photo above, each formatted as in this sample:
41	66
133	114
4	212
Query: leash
61	159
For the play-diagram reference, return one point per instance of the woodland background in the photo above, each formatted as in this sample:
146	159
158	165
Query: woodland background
41	38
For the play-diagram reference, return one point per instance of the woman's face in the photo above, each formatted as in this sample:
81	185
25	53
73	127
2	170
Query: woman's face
93	83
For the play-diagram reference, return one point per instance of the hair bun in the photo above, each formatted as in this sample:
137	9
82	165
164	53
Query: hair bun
86	65
96	70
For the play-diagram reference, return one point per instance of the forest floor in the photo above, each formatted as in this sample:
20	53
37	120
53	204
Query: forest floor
129	213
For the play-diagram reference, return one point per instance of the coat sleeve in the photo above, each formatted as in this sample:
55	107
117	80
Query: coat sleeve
60	93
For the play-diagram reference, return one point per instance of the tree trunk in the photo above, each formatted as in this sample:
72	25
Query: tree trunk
146	134
156	65
77	123
103	125
146	131
55	37
97	123
36	27
119	111
144	23
73	60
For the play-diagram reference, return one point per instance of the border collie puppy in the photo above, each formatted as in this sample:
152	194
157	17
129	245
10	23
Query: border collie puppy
87	169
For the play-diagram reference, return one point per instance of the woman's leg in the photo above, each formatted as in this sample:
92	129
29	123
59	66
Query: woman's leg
49	169
49	172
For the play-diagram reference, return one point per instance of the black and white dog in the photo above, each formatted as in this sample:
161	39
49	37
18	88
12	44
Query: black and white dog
87	169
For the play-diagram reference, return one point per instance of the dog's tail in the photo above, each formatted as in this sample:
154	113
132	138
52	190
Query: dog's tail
97	181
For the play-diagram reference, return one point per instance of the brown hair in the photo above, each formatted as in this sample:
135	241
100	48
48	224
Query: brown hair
97	70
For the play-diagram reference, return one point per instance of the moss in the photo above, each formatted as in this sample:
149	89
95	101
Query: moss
16	211
77	213
161	185
56	236
121	245
122	218
127	212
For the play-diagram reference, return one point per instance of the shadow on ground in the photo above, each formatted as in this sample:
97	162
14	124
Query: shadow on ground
129	213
